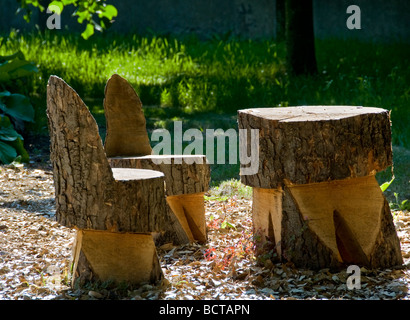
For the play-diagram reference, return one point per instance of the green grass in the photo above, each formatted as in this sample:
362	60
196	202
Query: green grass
204	83
401	169
186	76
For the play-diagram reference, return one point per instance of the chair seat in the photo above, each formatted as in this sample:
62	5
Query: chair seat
184	174
127	174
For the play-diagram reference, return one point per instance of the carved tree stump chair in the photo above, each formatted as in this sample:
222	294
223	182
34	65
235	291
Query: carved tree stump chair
116	210
127	146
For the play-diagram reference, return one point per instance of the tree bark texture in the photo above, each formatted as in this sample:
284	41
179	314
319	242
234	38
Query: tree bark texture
315	197
317	143
186	180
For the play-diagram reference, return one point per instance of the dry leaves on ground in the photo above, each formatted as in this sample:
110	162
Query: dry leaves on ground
35	256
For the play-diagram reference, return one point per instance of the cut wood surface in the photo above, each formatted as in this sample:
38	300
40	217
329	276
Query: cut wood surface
126	124
190	211
328	224
89	194
267	216
315	196
112	256
184	174
347	215
317	143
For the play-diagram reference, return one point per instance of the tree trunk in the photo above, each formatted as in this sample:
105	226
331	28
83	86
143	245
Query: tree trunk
300	39
280	20
43	15
315	196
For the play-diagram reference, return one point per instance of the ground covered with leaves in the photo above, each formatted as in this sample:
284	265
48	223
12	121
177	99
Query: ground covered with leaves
35	255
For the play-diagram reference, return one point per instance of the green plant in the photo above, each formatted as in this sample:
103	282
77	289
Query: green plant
225	259
186	77
403	205
397	204
86	11
15	108
387	184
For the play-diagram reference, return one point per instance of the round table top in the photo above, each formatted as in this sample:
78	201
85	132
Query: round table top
311	113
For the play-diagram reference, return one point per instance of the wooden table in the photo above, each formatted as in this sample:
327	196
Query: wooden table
315	197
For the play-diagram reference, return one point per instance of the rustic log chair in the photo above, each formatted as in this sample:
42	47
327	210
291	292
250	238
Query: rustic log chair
124	205
127	146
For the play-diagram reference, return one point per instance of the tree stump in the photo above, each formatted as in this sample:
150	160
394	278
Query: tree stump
186	181
88	193
127	146
315	196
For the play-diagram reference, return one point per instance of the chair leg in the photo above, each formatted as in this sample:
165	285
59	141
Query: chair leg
114	256
190	211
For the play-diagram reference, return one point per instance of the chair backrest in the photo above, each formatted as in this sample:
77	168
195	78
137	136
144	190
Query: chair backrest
126	125
82	176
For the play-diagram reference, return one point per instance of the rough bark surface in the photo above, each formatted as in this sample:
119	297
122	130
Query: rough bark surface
127	146
139	201
89	195
185	174
386	250
126	124
82	177
317	143
186	179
